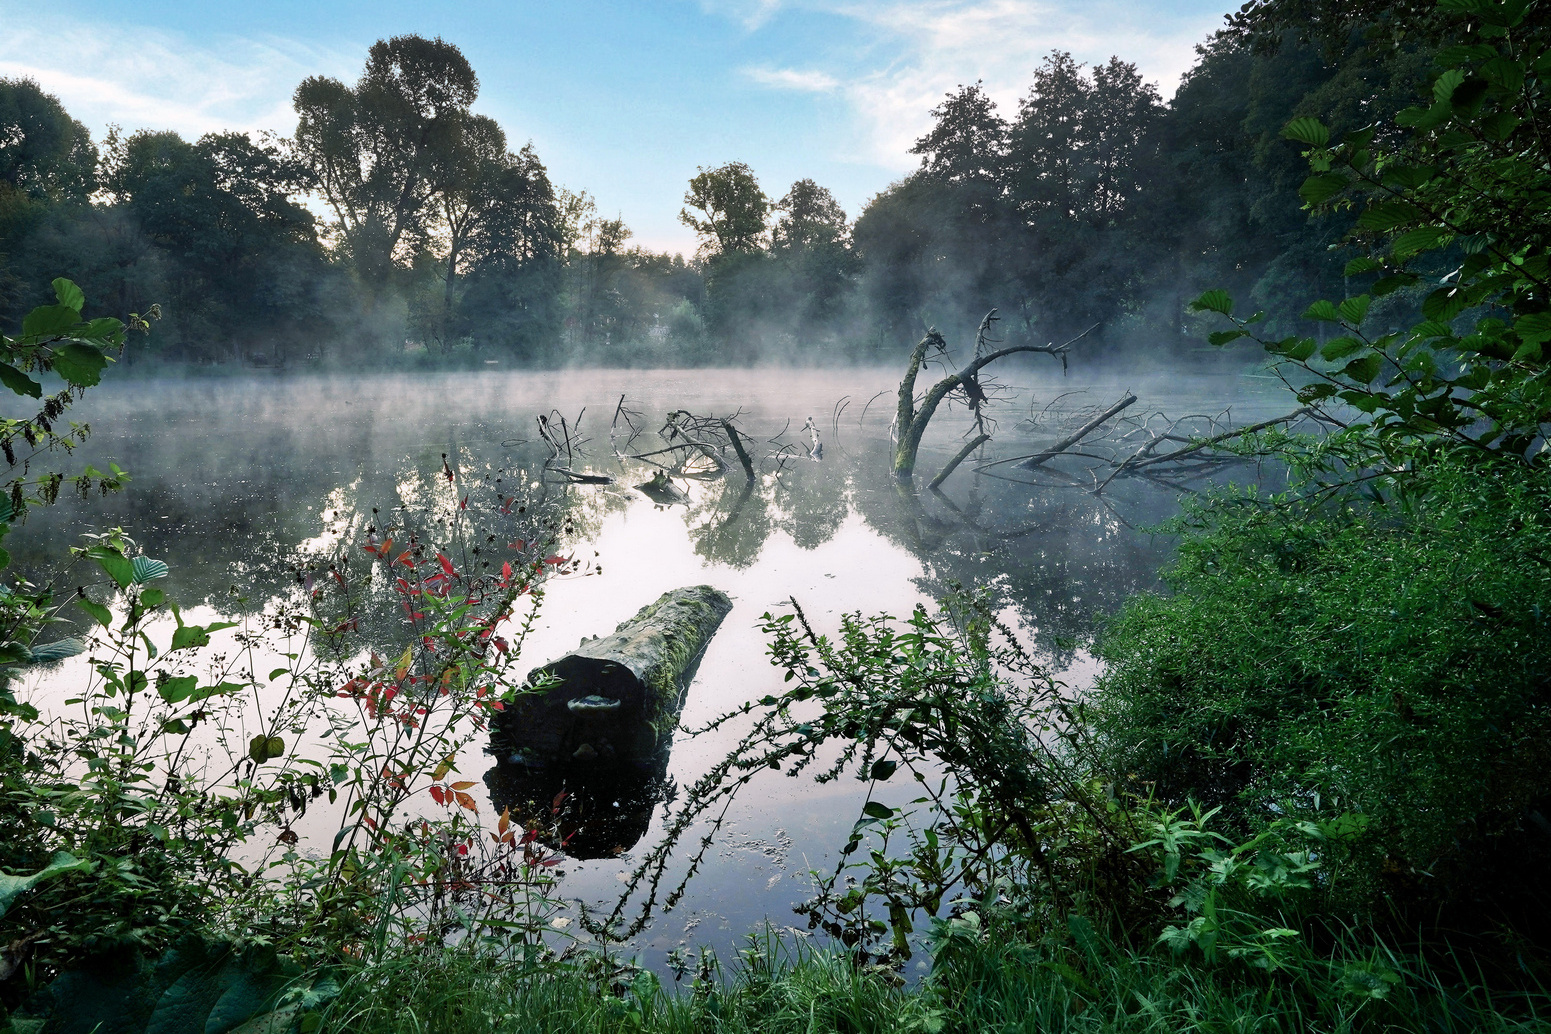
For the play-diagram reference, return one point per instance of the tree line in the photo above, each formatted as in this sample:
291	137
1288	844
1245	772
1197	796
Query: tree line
398	226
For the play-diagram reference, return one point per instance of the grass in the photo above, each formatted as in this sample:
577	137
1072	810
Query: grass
1087	985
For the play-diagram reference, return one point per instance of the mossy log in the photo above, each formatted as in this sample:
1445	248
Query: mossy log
615	700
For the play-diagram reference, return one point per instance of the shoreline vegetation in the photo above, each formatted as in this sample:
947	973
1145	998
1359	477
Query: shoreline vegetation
1309	791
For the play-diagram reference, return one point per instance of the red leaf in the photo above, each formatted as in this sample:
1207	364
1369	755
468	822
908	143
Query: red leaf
465	504
519	544
447	567
438	795
556	560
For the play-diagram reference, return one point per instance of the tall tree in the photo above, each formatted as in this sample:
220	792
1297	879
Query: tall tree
382	150
44	153
1048	140
731	209
810	217
968	139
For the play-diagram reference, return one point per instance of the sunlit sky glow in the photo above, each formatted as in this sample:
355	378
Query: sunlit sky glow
623	100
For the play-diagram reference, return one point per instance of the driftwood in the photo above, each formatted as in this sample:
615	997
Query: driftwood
615	700
737	447
912	418
1072	439
963	454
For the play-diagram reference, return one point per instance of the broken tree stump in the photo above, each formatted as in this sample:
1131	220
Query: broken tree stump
616	699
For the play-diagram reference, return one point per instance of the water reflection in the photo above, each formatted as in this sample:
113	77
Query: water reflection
587	813
245	483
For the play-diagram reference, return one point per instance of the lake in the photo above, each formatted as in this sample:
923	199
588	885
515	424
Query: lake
238	480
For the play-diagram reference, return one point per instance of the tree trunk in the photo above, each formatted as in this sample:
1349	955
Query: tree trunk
617	699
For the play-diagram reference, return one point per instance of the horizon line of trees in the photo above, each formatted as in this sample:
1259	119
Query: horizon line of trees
1096	202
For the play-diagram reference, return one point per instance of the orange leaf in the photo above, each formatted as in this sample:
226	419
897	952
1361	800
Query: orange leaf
463	785
465	800
506	820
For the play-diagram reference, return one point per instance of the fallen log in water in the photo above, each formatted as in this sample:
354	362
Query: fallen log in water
616	699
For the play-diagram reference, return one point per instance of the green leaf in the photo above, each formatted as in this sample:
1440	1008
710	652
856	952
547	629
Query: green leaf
1364	369
881	770
219	689
185	636
1362	265
1318	189
57	651
105	329
1340	348
1413	242
1446	84
19	382
15	652
146	569
101	614
877	811
50	320
198	987
1387	215
1222	337
1322	310
1307	130
1301	350
1354	309
152	598
177	690
68	294
1535	327
79	363
1213	301
12	887
115	564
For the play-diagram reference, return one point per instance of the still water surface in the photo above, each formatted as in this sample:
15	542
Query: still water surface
237	479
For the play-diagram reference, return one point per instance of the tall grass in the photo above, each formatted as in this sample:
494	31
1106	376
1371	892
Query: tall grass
1088	985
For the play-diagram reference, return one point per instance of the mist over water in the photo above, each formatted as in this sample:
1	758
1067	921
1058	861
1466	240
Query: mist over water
238	480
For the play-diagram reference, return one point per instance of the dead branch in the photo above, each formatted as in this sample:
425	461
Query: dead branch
1030	462
963	454
737	447
912	418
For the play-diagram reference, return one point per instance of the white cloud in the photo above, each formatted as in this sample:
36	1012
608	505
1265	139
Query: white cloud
933	46
751	14
141	78
793	79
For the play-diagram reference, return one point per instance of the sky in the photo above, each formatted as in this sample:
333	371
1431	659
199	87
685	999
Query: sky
625	100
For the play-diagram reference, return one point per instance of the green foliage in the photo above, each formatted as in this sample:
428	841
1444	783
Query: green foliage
200	984
1380	659
978	748
1456	198
731	209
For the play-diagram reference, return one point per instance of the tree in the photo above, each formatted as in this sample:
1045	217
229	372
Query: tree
471	190
810	218
968	142
44	153
1049	140
381	151
733	207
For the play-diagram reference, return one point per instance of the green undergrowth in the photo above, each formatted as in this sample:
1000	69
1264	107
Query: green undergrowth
1384	660
1082	982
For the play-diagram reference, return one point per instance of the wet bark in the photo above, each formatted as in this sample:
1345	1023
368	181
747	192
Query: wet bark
615	699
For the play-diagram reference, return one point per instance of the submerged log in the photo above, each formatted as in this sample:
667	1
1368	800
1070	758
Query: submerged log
615	700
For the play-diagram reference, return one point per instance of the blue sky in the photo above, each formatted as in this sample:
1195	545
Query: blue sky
623	100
